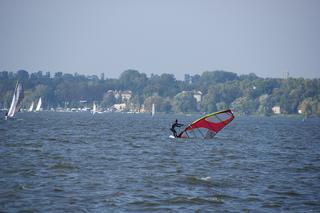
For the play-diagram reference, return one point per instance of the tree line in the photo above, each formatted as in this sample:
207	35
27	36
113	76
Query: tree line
244	94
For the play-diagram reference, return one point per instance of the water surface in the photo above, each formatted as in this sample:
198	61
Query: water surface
73	162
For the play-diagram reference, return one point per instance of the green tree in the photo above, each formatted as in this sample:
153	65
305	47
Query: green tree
108	100
310	106
265	106
209	78
244	105
23	75
209	101
133	80
184	102
221	106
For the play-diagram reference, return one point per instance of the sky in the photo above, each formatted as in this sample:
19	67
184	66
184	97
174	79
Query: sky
265	37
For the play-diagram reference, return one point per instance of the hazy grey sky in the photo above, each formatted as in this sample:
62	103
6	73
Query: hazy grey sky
266	37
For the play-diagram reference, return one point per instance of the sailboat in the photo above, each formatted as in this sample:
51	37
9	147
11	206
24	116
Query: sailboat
17	98
38	108
31	107
153	111
94	108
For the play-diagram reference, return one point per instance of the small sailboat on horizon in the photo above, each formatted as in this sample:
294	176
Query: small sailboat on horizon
17	98
153	110
38	108
31	107
94	108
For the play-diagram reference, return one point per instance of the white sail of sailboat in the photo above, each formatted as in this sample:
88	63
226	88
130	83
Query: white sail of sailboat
38	108
94	108
153	112
31	107
17	98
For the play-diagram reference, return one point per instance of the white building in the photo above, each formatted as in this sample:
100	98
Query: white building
197	95
126	95
119	107
276	110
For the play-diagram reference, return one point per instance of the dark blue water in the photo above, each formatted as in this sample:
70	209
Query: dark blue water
69	162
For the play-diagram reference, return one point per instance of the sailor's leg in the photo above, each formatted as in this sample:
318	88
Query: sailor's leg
172	130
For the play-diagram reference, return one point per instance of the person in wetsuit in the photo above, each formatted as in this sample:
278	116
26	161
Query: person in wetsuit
173	130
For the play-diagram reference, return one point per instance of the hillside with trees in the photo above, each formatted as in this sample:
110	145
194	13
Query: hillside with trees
244	94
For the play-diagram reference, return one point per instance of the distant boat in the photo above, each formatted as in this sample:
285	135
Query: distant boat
38	108
153	111
94	108
17	98
31	107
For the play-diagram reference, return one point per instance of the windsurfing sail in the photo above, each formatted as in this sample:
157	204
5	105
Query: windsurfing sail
17	98
38	108
208	126
153	111
94	108
31	107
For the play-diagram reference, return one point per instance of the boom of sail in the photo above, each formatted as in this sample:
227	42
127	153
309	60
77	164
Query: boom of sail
17	98
208	126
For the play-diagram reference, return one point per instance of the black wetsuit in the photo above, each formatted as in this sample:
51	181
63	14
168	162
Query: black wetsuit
174	125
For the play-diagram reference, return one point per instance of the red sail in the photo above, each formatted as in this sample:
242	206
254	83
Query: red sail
209	125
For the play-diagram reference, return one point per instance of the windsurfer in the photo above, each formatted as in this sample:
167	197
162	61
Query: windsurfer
173	128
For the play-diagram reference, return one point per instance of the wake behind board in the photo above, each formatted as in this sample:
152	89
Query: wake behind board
171	136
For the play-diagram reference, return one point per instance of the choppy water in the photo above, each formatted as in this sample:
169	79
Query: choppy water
68	162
